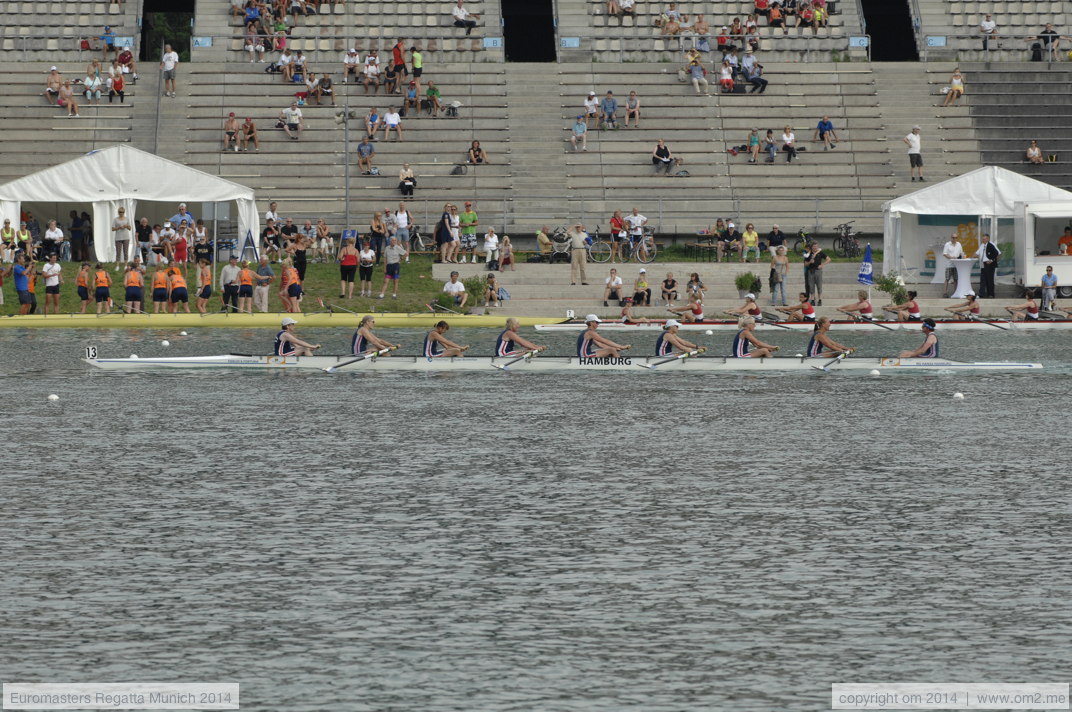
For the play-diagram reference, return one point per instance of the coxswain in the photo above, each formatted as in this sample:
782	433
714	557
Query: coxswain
744	340
821	345
969	309
693	311
804	311
669	343
365	341
204	285
861	308
177	291
591	344
909	311
749	308
510	344
160	289
287	342
82	284
1028	311
929	348
134	281
438	346
101	293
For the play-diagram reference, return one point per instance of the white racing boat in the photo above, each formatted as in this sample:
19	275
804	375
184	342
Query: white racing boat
551	363
835	325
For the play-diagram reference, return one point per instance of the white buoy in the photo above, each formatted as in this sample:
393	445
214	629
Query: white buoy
709	332
165	342
874	372
182	333
133	356
958	396
53	397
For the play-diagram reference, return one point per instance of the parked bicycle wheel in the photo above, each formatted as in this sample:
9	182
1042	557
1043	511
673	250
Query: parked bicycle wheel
841	247
798	246
647	255
599	251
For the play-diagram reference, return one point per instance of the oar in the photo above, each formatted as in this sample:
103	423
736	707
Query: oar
523	357
335	306
988	322
773	320
825	368
374	354
679	357
861	319
760	320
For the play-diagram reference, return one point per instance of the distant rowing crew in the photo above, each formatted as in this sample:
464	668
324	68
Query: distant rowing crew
590	344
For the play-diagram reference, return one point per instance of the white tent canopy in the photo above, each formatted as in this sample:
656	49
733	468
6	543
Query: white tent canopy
979	199
121	176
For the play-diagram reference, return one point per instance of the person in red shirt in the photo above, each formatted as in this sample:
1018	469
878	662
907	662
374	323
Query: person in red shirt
398	59
618	235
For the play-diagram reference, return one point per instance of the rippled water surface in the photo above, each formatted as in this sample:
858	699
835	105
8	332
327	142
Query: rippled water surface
643	541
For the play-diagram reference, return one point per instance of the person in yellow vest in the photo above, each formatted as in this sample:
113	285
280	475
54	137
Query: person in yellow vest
245	288
134	281
177	291
204	285
82	283
160	288
7	241
23	239
102	281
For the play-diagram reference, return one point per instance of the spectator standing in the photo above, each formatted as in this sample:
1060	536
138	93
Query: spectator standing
579	131
230	281
813	266
53	274
952	250
578	240
121	233
416	60
464	18
988	254
265	276
661	158
468	222
824	131
398	60
608	109
403	223
779	274
168	64
989	31
182	214
365	152
293	121
915	157
392	258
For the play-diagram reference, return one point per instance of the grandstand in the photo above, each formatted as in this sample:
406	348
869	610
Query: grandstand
521	111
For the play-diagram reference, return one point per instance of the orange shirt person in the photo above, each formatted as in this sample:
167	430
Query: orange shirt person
204	283
82	283
178	292
160	290
1064	243
134	296
245	288
102	281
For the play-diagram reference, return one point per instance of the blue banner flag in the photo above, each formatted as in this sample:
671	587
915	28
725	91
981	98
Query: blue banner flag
866	275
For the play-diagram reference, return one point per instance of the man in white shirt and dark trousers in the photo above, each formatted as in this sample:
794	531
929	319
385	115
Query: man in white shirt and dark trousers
988	254
229	280
463	18
989	30
168	63
953	250
915	158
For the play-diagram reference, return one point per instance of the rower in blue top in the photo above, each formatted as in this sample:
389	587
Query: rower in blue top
669	343
929	347
821	345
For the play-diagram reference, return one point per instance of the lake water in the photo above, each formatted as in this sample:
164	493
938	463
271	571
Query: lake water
642	541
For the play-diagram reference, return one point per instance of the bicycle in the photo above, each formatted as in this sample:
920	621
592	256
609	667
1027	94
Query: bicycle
802	241
598	248
846	244
644	249
416	240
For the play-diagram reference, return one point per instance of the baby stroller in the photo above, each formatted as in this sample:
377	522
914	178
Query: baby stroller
560	244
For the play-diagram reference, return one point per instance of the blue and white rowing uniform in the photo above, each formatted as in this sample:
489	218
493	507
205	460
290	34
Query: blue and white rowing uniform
931	352
359	344
814	347
586	347
741	346
663	347
432	349
503	346
283	348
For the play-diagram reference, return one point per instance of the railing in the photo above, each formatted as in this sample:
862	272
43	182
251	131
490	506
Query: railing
24	43
811	52
942	45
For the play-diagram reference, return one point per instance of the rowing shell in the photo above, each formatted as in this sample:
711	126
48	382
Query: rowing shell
838	325
545	363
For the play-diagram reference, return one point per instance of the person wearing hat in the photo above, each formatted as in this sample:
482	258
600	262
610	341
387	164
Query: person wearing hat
915	157
579	131
752	71
729	241
351	64
642	289
230	132
969	308
468	223
749	308
578	242
820	345
288	344
53	84
411	100
591	109
669	343
745	339
591	344
108	42
929	347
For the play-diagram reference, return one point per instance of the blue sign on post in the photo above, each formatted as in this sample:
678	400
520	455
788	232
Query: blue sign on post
493	43
860	42
349	235
201	41
936	41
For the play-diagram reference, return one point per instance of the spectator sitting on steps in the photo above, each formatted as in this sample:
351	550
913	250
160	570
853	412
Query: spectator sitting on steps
434	97
753	72
477	154
608	109
1034	153
579	131
372	72
373	122
824	131
351	65
591	109
249	133
955	89
365	152
989	31
53	84
392	120
789	144
464	18
126	63
293	122
661	158
697	74
230	132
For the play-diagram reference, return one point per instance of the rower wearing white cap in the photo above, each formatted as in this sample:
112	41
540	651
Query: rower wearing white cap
510	343
929	348
592	344
669	343
969	308
288	344
749	308
744	340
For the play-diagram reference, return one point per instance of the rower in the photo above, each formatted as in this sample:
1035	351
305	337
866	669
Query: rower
134	282
861	308
693	311
909	311
204	284
745	340
365	341
749	308
970	308
177	291
160	289
288	344
820	340
1028	311
669	343
438	346
102	281
804	311
929	348
591	344
510	344
627	313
